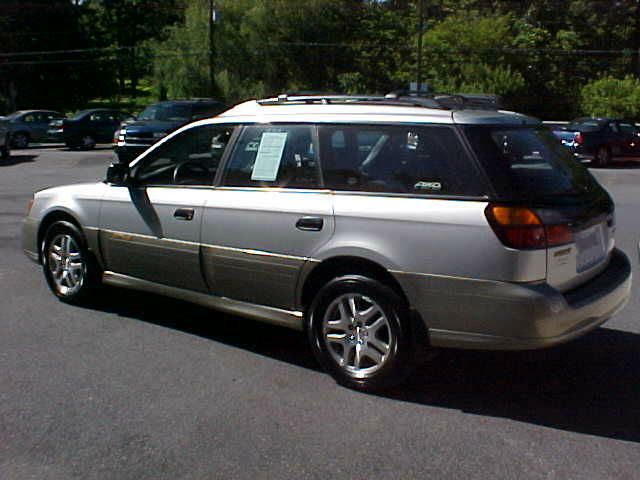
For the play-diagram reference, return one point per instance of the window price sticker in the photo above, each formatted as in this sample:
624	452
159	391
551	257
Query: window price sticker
269	156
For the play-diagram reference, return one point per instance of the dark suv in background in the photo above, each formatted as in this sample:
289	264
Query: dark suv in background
156	121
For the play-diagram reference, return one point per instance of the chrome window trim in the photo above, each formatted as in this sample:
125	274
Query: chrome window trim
248	251
401	273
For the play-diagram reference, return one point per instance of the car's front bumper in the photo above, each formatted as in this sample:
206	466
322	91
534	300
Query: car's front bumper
30	238
126	153
478	314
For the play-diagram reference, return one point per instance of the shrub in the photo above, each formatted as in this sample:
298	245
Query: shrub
611	97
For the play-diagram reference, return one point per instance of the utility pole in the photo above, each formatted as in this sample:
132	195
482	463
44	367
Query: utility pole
420	31
212	81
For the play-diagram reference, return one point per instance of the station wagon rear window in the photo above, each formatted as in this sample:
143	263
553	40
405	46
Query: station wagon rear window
526	163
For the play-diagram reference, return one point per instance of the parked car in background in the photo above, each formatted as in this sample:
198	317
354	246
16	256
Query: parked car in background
156	121
26	126
87	127
600	140
5	140
380	227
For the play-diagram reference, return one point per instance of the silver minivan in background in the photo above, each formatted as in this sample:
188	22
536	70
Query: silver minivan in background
380	226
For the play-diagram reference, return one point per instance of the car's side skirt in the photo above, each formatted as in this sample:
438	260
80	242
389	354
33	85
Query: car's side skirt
276	316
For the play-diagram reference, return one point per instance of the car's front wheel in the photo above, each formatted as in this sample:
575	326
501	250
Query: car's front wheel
20	140
359	331
71	272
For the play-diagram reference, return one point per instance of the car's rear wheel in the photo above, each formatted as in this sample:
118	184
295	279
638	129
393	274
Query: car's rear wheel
20	140
603	156
359	331
71	272
5	152
87	142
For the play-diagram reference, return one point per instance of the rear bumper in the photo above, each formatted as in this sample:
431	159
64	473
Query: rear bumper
464	313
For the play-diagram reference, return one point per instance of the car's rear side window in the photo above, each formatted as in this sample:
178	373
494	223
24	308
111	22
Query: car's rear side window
409	159
529	163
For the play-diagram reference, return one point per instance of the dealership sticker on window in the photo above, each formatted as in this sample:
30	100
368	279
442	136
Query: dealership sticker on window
269	156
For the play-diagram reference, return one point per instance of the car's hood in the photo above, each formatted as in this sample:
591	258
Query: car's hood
151	126
94	190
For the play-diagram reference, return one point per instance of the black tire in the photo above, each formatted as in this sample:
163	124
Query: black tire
82	271
602	157
5	152
87	142
346	358
20	140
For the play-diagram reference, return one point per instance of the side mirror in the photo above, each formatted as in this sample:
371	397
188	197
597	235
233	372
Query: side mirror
117	173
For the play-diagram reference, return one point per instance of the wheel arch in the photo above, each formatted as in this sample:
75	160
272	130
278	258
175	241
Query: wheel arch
342	265
26	133
49	219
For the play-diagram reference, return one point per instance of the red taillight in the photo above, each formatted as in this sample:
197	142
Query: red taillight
521	228
558	235
577	139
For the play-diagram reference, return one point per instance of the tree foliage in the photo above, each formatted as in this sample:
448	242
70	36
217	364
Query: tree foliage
612	97
538	54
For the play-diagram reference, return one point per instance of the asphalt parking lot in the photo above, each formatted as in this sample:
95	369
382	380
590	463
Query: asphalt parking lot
142	387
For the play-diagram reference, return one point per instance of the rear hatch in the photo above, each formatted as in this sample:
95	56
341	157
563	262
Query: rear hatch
530	169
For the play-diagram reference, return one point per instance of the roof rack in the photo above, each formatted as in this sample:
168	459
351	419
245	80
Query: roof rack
406	98
452	101
285	99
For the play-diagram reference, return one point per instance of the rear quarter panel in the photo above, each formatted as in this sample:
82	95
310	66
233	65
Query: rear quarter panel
427	236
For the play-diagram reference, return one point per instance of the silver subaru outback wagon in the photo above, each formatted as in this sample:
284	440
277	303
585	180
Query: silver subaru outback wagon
381	227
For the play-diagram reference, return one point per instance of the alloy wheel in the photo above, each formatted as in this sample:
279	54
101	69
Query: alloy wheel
357	334
66	264
20	140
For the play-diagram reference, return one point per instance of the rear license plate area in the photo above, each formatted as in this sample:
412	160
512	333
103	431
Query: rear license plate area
590	248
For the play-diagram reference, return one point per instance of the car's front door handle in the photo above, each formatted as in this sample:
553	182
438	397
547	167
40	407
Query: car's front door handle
310	224
184	213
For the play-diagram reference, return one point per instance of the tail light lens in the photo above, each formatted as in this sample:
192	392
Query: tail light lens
522	229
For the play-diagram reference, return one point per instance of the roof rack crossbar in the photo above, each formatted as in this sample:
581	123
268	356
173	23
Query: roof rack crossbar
284	99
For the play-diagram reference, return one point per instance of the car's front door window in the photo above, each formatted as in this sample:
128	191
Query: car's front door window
190	158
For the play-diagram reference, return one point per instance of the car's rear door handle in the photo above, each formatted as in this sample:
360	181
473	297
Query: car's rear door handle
310	224
184	213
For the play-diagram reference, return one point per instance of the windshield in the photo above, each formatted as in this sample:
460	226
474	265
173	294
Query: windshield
166	112
526	163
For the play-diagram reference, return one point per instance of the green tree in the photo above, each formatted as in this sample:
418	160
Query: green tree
470	54
125	26
37	69
612	97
